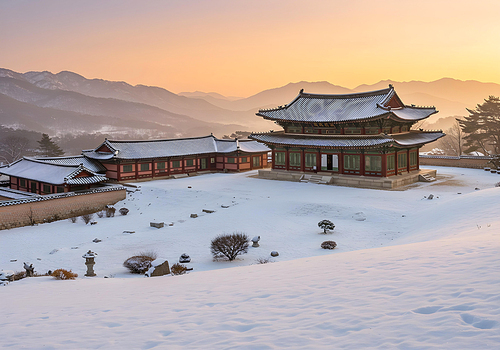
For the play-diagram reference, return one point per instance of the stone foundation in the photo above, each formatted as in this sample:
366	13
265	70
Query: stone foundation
386	183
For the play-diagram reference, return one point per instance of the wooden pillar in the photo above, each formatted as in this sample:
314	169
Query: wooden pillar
287	159
136	169
418	158
384	164
396	161
168	166
341	162
183	167
153	168
408	160
318	160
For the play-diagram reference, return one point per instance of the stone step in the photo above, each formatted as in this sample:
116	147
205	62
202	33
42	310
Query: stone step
426	178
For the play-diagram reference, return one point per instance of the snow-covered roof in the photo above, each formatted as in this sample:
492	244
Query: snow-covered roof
16	194
171	148
56	174
74	161
412	138
314	108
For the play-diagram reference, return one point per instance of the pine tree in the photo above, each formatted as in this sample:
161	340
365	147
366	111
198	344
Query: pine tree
482	126
48	147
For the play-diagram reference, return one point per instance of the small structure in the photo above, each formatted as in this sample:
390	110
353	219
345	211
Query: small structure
255	241
53	175
89	261
150	159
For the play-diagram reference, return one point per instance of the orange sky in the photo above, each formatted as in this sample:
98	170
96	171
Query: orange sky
239	48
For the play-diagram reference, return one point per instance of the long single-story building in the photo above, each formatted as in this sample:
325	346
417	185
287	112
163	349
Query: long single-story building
151	159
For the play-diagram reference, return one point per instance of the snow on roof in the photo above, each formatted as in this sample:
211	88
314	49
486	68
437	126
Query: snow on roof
346	107
56	174
172	147
412	138
74	161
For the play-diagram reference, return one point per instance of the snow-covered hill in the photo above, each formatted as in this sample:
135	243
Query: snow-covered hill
417	273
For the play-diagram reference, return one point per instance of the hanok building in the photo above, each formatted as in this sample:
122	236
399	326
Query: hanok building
54	175
347	136
146	160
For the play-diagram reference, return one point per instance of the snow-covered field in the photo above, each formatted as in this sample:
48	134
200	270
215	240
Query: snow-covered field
415	274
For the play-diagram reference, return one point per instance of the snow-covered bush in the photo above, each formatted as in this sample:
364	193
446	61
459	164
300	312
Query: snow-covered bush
328	245
140	263
263	260
123	211
87	218
100	214
73	219
326	225
178	269
110	212
62	274
229	245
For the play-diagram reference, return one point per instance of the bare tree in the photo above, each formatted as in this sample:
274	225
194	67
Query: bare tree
453	142
229	246
12	148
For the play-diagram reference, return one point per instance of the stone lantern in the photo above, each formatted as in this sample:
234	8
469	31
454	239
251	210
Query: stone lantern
89	261
255	241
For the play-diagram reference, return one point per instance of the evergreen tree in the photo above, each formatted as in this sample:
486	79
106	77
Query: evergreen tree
482	126
48	147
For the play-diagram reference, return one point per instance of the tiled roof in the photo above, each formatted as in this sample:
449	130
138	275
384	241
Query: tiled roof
74	161
56	174
346	141
345	108
172	148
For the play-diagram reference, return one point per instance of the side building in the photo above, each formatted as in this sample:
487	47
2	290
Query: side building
364	134
146	160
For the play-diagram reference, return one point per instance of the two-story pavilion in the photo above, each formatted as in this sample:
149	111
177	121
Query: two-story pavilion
364	134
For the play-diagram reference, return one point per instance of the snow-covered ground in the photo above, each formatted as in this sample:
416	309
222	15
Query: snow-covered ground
415	274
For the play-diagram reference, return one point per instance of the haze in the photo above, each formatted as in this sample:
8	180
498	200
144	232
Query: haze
239	48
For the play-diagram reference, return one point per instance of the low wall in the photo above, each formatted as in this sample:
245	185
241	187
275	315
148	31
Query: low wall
25	212
460	162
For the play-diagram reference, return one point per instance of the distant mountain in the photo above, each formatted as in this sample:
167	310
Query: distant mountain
209	95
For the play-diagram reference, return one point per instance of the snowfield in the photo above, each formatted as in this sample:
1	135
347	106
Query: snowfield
414	274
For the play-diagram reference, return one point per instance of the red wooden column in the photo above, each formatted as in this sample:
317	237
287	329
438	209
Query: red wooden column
287	160
136	169
318	160
168	166
341	162
408	160
384	164
153	168
183	165
418	158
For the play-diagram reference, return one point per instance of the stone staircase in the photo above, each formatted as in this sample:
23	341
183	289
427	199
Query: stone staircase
315	179
426	178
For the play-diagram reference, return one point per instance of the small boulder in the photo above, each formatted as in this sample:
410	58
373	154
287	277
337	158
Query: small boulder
255	241
184	258
274	253
194	216
158	268
157	224
431	196
96	240
359	216
208	211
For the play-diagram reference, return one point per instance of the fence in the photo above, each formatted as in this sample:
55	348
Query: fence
36	210
461	162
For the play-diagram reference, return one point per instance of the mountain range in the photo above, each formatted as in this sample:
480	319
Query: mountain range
67	102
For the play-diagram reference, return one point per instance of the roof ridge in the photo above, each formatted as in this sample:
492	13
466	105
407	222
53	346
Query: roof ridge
32	159
161	140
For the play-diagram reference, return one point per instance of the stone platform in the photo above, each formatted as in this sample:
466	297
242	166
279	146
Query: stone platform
386	183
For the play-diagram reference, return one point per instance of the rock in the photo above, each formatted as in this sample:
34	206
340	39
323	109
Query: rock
184	258
157	224
255	241
477	189
13	260
128	232
359	216
328	245
194	215
96	240
93	222
54	251
430	196
224	206
171	224
274	253
208	211
189	186
158	268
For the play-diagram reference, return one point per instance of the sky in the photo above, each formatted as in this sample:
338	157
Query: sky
239	48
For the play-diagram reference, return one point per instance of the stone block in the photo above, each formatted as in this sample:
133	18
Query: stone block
159	270
157	224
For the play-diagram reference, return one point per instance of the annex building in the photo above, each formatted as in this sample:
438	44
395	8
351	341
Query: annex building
362	139
124	161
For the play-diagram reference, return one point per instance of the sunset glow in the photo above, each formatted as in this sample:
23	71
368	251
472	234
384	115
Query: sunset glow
239	48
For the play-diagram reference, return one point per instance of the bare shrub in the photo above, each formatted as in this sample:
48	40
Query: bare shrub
110	212
100	214
178	269
123	211
263	260
229	245
62	274
73	219
31	217
140	263
326	225
328	245
87	218
19	275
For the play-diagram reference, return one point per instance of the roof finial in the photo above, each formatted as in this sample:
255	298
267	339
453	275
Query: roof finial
390	85
301	91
